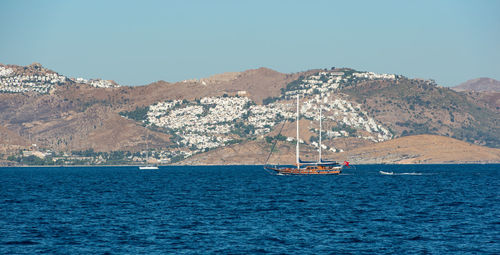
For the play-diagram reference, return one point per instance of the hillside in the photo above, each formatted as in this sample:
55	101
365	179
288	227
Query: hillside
70	115
479	85
411	107
422	149
418	149
10	141
491	99
194	119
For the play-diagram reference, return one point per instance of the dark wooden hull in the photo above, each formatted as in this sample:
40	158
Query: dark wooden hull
311	170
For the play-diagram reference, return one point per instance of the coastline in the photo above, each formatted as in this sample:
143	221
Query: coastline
257	165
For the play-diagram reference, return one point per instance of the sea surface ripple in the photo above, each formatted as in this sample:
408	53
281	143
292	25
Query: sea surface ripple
443	209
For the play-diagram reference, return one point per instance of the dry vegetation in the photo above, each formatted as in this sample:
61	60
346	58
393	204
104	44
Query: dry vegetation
79	117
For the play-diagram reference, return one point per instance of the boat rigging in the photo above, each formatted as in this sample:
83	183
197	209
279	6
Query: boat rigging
305	167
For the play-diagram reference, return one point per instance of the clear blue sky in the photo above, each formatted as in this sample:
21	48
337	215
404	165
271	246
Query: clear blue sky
138	42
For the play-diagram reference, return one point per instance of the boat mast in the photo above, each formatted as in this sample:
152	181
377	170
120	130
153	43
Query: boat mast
297	151
147	147
320	117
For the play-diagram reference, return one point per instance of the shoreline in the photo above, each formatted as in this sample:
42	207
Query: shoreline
387	164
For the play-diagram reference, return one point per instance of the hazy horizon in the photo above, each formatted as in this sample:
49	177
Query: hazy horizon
137	43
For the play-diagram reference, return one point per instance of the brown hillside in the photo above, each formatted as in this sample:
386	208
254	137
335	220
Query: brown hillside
11	142
251	153
413	107
74	119
491	99
9	137
77	116
118	133
259	83
96	128
479	84
423	149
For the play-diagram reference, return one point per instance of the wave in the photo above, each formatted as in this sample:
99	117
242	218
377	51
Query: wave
392	173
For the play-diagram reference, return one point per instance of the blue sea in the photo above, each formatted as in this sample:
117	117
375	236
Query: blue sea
421	209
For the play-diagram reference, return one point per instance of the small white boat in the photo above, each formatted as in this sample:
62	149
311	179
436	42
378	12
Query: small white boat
386	173
147	167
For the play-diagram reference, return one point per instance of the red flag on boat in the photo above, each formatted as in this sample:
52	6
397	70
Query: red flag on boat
346	163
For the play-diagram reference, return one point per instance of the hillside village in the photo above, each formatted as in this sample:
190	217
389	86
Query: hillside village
10	82
37	79
212	122
323	82
96	83
229	117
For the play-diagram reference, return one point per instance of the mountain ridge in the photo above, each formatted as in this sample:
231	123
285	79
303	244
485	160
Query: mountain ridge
482	84
364	108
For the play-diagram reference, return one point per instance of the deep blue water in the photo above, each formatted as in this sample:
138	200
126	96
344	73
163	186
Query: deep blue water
449	209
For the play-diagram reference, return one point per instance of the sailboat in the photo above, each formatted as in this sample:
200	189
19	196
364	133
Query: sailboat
307	167
148	166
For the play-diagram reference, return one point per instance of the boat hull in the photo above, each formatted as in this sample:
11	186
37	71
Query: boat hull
305	171
148	168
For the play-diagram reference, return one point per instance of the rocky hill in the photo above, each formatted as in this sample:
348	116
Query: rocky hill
240	112
422	149
411	107
418	149
479	85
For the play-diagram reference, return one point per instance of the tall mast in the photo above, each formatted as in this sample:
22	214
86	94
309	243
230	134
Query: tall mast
320	117
297	152
147	147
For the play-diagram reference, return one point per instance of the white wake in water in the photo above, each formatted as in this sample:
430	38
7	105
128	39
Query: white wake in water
392	173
